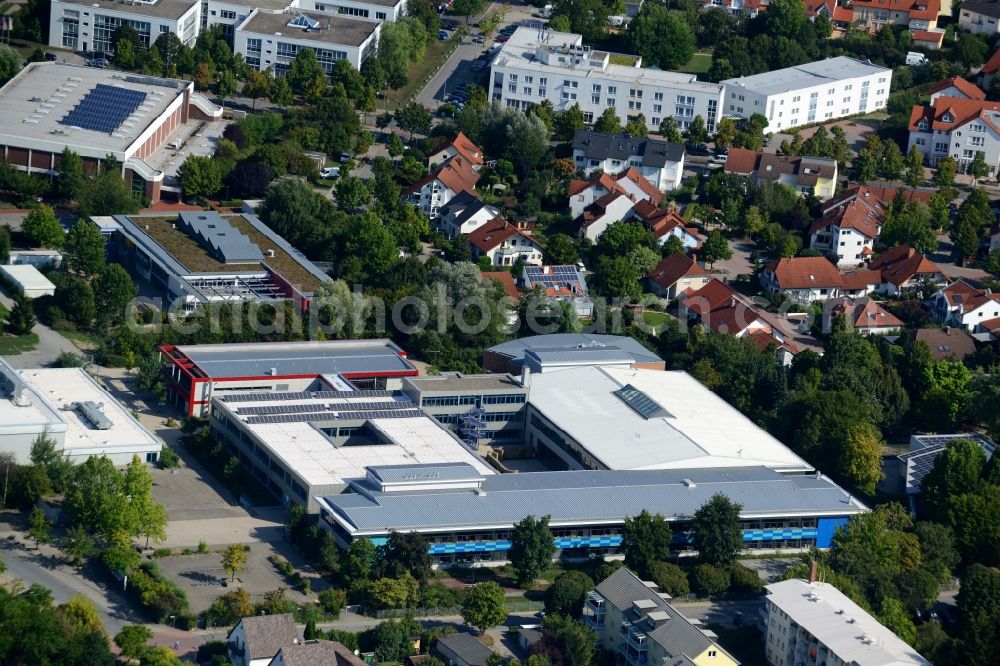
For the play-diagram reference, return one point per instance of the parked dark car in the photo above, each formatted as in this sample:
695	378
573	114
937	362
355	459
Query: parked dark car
51	57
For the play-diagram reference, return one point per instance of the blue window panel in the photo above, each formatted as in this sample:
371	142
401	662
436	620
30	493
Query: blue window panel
826	528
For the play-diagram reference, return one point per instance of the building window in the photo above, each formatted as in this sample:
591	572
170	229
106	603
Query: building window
658	96
353	11
612	90
253	45
380	16
610	101
227	14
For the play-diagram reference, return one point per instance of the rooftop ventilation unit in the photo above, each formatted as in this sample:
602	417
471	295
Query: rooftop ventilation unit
92	412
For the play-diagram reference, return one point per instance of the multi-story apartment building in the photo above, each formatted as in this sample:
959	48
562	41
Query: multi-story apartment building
85	25
814	92
536	65
957	127
635	621
809	622
272	40
979	16
374	10
915	14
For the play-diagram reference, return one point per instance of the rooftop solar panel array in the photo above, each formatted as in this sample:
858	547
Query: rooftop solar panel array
104	108
555	277
325	416
221	238
305	395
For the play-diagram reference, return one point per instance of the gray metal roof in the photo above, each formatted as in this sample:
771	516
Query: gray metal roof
924	450
297	358
456	471
808	75
677	635
586	497
601	146
456	381
580	355
575	341
468	647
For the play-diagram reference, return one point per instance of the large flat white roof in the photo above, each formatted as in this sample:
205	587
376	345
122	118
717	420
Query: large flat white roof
844	627
520	51
808	75
26	275
304	449
693	427
64	387
43	93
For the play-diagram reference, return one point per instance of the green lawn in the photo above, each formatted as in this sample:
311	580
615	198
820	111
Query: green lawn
419	74
17	344
83	340
655	319
698	64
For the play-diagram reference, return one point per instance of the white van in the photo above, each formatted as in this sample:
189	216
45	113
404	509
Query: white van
915	59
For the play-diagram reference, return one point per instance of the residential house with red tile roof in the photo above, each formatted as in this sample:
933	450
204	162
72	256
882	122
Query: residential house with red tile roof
957	127
507	281
865	315
964	305
805	175
914	14
904	269
629	182
722	309
838	14
459	145
991	328
429	194
667	222
802	279
860	282
979	17
676	274
564	284
985	76
956	87
851	222
596	217
928	39
505	243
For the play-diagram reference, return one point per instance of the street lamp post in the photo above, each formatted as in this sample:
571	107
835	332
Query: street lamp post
173	621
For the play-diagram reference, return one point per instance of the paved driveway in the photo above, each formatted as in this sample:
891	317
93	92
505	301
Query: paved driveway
50	345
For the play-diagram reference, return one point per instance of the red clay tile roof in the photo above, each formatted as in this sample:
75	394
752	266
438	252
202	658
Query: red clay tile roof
927	36
970	90
762	339
673	267
641	182
862	208
456	174
957	292
741	160
993	64
991	325
494	232
661	221
855	280
721	308
902	263
961	111
866	313
917	9
506	280
805	273
464	147
603	179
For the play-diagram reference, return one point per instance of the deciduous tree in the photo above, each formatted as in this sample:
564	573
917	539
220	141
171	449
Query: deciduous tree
484	606
568	593
646	539
42	227
83	252
133	639
531	549
717	533
39	527
608	122
234	559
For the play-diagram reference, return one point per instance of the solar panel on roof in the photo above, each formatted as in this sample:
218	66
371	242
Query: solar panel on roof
104	108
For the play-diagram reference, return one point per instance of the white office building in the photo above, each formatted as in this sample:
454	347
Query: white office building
811	93
536	65
89	25
373	10
815	623
272	40
70	408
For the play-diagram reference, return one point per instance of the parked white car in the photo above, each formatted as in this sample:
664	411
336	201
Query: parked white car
330	172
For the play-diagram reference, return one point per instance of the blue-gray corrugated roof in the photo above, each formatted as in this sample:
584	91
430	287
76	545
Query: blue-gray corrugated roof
575	341
583	497
301	358
220	238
